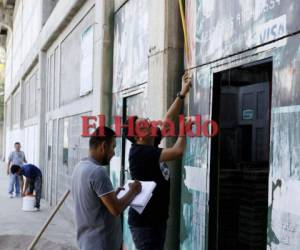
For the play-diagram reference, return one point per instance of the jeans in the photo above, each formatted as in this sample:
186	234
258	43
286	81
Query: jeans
149	238
36	185
14	183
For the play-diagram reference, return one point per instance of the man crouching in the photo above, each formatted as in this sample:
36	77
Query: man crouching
33	181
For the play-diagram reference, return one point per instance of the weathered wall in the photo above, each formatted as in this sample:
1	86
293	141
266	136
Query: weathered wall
284	216
71	60
147	69
221	40
219	29
66	101
131	40
49	79
21	122
130	69
195	170
70	149
26	28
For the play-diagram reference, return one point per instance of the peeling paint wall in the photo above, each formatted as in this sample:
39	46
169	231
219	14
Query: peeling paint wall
284	205
225	35
130	71
147	69
221	28
131	41
195	177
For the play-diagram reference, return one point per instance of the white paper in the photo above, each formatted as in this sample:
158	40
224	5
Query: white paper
140	209
142	199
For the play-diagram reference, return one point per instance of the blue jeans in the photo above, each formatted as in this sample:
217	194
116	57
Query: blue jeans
149	238
36	185
14	184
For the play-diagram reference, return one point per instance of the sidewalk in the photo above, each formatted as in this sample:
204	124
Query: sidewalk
18	228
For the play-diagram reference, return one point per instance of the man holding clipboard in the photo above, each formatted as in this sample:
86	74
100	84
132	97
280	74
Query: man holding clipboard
97	207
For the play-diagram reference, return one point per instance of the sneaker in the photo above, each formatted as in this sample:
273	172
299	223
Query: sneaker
36	209
10	196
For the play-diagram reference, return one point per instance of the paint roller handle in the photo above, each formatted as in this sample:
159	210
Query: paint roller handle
57	207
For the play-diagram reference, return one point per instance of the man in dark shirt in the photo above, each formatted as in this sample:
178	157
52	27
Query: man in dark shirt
147	163
33	180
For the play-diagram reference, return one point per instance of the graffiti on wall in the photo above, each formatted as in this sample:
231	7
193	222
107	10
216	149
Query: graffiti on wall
193	227
194	188
240	25
130	65
134	105
248	24
130	69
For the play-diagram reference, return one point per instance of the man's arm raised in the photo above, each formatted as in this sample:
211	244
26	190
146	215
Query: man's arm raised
175	152
174	109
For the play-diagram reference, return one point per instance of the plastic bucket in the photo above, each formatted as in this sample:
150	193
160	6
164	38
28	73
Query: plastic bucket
28	203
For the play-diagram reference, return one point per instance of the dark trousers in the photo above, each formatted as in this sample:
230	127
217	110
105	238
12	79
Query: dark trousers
149	238
36	185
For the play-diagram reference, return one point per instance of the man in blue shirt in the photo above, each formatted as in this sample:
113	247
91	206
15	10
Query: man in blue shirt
33	180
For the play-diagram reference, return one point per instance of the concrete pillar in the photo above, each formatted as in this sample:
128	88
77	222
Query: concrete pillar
5	121
22	103
165	70
42	110
103	57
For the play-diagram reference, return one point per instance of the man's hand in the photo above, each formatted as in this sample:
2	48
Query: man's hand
119	189
8	168
116	206
135	186
186	83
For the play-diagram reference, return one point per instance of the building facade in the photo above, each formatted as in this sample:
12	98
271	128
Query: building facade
67	59
238	189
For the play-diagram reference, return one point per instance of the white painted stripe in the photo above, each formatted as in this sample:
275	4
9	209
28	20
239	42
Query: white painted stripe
106	193
286	109
195	178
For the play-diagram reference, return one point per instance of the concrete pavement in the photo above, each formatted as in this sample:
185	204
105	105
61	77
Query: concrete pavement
17	228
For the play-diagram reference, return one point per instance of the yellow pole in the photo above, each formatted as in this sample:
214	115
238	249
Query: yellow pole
184	27
186	46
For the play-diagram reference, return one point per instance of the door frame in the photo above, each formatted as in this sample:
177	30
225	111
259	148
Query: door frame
214	164
125	95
